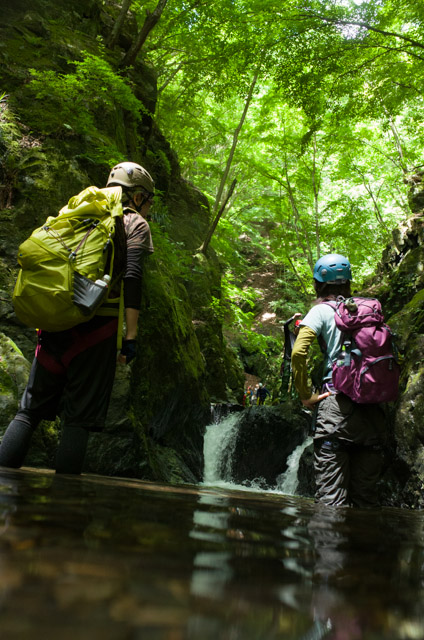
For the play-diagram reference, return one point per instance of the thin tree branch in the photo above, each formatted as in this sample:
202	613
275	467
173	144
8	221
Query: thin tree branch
204	247
119	22
152	18
235	139
367	26
170	77
293	266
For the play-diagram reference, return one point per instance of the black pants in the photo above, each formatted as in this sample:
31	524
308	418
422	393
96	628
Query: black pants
71	376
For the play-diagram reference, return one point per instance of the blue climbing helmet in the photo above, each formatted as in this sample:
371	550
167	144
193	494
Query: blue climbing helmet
333	269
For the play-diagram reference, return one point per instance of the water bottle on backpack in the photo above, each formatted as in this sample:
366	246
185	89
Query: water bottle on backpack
89	295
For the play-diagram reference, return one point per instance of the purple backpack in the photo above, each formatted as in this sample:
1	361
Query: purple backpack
366	367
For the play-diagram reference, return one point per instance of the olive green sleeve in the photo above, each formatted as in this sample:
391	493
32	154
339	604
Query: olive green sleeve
299	354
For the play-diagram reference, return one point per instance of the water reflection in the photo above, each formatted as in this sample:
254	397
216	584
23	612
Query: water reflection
95	557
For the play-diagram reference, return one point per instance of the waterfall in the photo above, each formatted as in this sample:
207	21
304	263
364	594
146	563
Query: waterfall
218	447
287	482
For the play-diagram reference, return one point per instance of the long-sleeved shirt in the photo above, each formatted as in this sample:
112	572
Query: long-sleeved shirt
305	338
133	242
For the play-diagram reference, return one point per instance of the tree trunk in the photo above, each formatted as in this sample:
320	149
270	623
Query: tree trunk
170	77
398	144
301	233
293	266
152	18
396	136
235	140
315	187
377	211
203	249
370	192
117	27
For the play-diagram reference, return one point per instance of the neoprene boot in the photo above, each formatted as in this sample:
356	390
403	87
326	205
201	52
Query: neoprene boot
15	443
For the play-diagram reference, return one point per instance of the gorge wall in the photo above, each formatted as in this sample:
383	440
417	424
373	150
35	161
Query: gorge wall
399	283
56	139
53	143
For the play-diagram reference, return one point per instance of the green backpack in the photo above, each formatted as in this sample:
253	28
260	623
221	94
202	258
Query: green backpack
60	262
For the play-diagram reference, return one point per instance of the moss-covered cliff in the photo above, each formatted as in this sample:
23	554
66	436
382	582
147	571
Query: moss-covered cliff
399	283
66	115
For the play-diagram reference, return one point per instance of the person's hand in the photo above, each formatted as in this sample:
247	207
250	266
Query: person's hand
127	351
315	397
297	315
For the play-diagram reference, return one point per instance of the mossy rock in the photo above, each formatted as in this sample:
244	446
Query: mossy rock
14	371
410	410
405	281
409	320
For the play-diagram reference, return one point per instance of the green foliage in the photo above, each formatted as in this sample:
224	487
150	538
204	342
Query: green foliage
333	128
239	304
236	310
19	153
159	160
335	189
159	211
334	125
169	254
83	102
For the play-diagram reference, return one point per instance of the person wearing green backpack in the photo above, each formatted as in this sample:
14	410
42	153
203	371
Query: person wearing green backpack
73	370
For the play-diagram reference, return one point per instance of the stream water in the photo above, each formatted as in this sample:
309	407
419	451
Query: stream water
92	558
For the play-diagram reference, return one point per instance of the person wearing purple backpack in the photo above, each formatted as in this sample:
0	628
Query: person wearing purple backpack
348	436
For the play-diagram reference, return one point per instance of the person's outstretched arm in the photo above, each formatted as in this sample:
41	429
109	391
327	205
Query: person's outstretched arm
300	371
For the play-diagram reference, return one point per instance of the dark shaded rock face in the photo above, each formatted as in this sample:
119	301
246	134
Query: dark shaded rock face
219	411
305	474
416	191
266	437
399	284
161	403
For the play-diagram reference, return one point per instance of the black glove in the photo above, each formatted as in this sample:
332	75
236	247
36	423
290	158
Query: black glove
128	349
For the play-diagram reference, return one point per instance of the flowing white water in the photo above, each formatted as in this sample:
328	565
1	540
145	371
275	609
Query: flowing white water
218	447
219	442
287	482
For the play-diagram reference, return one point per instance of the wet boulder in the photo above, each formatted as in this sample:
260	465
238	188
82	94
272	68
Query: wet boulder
267	435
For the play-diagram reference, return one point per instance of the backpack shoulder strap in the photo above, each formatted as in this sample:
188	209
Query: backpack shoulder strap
346	339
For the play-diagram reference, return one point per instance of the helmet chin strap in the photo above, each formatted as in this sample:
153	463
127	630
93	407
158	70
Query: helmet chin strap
129	200
139	207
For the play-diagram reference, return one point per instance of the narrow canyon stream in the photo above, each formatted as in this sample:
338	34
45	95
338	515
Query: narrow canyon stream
93	557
